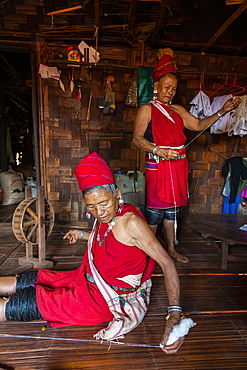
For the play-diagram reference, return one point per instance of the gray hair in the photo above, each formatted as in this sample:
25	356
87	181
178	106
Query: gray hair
108	187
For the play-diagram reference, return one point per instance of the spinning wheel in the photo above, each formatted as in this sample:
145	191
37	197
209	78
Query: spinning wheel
26	220
32	223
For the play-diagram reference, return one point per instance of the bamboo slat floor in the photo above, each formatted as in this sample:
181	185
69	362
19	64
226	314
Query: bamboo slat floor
216	300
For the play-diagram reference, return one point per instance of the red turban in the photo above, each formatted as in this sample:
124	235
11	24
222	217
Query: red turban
166	64
93	171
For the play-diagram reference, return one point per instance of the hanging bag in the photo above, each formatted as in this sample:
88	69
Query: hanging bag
109	103
128	309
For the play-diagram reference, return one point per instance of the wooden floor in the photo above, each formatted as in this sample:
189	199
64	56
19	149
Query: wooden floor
216	300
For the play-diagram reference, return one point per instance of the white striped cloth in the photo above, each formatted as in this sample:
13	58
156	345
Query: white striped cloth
128	309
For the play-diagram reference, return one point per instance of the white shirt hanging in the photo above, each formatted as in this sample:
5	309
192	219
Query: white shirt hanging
224	123
200	106
239	119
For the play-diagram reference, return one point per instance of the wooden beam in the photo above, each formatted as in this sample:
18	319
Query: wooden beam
241	50
227	23
96	13
234	2
3	135
61	62
3	2
132	14
15	88
65	10
159	23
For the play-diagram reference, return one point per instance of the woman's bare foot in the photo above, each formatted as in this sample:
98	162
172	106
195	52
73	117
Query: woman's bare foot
178	257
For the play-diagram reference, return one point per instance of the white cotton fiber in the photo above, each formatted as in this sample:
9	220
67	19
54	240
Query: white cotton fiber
179	331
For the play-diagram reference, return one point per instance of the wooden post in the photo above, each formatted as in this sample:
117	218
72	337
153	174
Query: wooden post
35	116
41	118
224	254
29	246
3	135
41	227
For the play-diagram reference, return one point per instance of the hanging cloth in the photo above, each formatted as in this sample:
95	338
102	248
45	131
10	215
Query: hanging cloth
238	172
244	192
224	123
128	309
145	85
109	103
200	106
239	120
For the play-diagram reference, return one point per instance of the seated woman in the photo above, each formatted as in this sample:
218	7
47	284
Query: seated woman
122	249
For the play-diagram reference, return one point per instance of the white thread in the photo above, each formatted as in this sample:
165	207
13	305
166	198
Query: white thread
77	340
175	203
197	136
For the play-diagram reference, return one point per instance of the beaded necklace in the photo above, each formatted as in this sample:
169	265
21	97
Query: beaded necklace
110	226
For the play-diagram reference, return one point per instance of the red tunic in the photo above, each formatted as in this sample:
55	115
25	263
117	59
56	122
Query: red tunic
167	181
66	298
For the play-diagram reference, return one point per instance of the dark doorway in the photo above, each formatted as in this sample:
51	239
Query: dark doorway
16	126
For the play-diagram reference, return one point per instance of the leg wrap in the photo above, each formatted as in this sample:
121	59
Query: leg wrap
22	305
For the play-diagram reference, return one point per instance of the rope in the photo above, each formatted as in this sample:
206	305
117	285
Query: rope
175	203
61	232
196	136
6	219
54	223
9	252
213	150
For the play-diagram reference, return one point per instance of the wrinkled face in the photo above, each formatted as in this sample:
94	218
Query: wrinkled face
102	204
166	88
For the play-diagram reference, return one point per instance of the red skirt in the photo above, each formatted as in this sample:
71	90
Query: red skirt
173	183
66	298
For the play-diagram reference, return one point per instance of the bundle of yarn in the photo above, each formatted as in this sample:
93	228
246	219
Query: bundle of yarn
179	331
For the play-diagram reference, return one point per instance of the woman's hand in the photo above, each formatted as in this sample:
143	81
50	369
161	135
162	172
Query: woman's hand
230	104
174	319
166	153
72	236
173	348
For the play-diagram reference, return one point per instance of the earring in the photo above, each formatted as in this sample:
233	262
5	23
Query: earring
88	215
120	201
121	205
170	106
155	95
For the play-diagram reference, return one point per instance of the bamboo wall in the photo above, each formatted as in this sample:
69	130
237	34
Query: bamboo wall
66	137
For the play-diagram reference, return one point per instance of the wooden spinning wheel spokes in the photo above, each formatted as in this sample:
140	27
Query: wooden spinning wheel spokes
26	220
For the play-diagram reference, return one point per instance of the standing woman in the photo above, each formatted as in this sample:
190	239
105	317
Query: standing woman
159	131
